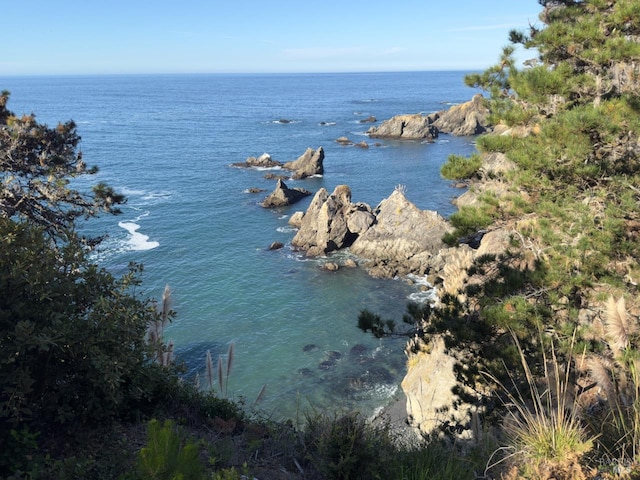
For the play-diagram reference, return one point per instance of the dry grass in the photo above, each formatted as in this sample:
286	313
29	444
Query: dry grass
546	438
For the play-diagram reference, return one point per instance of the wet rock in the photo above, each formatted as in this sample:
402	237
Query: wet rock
283	196
263	161
358	349
310	347
276	246
369	119
330	266
333	355
327	365
275	176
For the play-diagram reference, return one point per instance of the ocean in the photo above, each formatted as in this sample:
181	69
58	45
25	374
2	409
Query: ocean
168	143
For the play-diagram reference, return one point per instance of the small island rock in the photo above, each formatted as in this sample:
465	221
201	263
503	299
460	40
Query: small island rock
283	196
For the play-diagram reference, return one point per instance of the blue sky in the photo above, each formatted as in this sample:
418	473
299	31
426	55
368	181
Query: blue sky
238	36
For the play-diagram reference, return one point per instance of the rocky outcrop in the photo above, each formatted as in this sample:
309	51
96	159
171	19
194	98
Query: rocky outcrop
283	196
263	161
396	238
331	222
402	240
311	162
428	387
469	118
406	127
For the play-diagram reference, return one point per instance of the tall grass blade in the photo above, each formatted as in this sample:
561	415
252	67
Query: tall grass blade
209	363
230	355
220	373
166	304
261	394
230	359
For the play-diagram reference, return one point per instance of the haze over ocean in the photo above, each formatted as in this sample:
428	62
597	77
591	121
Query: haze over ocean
167	142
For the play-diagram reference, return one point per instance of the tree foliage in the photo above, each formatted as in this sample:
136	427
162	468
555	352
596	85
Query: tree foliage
571	119
73	346
37	164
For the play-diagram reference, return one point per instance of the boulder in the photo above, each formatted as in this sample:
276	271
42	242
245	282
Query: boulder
308	164
369	119
469	118
283	196
407	127
344	141
330	267
402	240
296	219
360	218
276	246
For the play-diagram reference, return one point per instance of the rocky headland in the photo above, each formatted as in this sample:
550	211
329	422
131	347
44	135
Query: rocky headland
395	239
469	118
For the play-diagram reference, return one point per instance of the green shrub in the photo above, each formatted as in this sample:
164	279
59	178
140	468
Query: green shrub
458	167
168	455
348	447
72	345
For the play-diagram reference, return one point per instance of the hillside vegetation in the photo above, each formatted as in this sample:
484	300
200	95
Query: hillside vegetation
558	312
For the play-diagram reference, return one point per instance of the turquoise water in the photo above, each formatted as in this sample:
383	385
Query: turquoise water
167	142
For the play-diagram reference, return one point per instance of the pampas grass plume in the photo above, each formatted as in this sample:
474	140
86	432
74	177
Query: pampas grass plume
209	364
220	372
618	327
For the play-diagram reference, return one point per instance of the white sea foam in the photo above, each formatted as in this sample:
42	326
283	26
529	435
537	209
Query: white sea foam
131	191
425	295
137	241
156	196
267	168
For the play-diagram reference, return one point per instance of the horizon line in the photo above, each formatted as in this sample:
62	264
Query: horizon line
329	72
